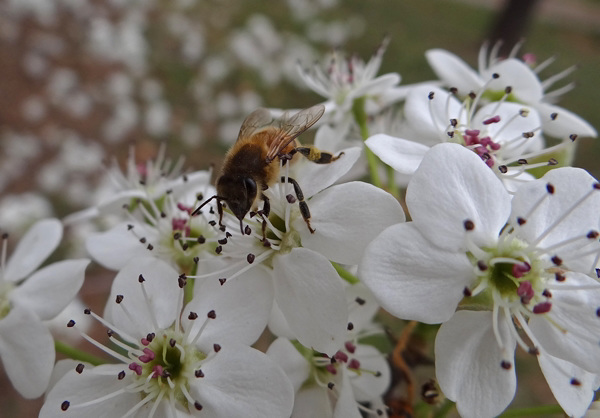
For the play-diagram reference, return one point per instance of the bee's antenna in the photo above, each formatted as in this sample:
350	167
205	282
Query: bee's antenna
197	210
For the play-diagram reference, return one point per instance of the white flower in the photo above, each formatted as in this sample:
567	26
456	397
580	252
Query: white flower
523	266
308	290
174	361
339	385
147	181
161	227
495	75
29	297
505	135
341	81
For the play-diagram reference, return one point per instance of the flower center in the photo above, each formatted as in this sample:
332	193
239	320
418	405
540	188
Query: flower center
167	364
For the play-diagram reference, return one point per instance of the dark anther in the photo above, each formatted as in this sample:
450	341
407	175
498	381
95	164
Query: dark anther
192	316
216	347
330	385
592	234
508	90
247	230
198	406
552	161
222	241
176	235
143	240
572	137
196	259
469	225
172	342
201	240
472	95
218	249
467	292
453	90
522	161
290	198
431	95
87	311
553	115
65	405
79	368
556	260
121	375
212	223
222	281
360	301
350	326
150	247
547	293
575	382
250	258
454	122
119	298
506	365
150	336
141	278
495	75
481	265
534	351
550	188
503	169
129	227
521	221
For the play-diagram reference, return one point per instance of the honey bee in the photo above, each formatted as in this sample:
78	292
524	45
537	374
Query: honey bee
249	168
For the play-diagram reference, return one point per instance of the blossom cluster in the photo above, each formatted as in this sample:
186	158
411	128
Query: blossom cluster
274	313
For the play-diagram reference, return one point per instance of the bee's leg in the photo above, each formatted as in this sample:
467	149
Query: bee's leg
220	210
316	155
301	203
266	210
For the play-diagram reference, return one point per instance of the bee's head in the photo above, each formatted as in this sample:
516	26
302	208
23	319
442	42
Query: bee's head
238	192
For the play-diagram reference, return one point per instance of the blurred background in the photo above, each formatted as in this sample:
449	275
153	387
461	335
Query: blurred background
83	80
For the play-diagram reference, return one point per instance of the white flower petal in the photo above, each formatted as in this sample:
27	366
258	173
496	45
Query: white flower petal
467	361
575	399
293	364
362	316
312	402
428	111
114	248
27	352
565	123
368	386
115	203
242	307
453	70
278	325
310	294
345	405
240	381
519	76
413	279
93	383
35	246
570	330
49	290
160	286
346	218
453	185
559	216
402	155
313	178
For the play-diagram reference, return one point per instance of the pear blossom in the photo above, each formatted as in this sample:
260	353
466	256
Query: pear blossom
161	227
350	381
341	81
28	297
521	271
174	360
505	135
141	181
495	74
307	288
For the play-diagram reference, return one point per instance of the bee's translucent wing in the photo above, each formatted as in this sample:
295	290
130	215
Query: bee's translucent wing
254	121
290	127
